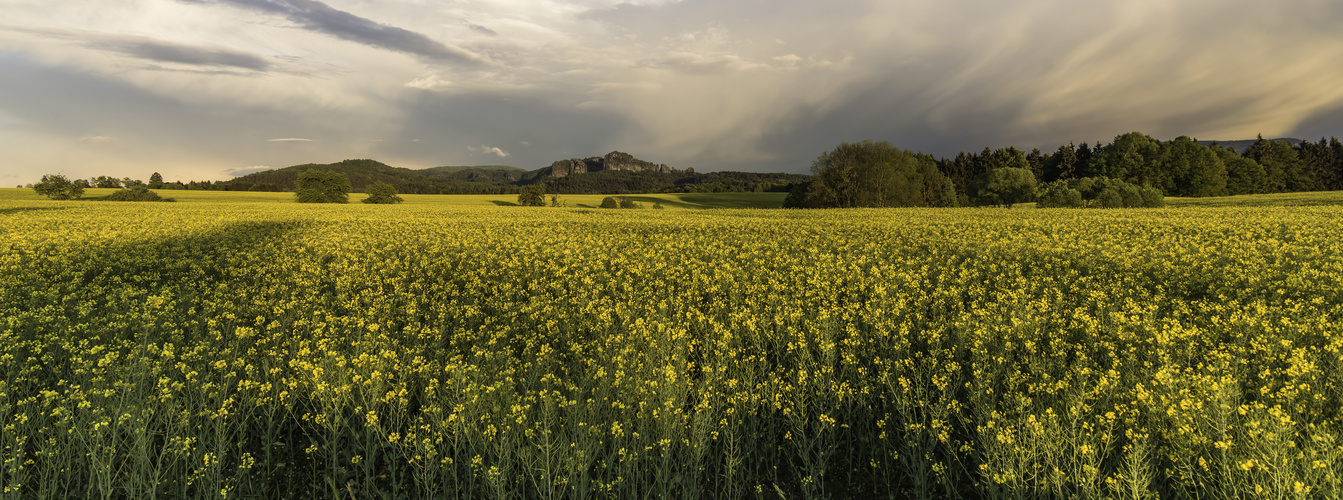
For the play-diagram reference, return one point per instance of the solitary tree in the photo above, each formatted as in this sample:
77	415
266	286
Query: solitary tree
871	174
1003	186
57	187
382	193
322	186
610	202
156	181
533	196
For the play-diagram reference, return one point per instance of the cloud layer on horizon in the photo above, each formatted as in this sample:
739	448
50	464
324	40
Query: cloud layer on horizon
726	84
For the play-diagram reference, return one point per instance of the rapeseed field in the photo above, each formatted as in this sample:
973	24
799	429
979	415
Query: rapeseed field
277	350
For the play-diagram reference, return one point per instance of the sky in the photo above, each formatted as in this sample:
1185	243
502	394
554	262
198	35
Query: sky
210	89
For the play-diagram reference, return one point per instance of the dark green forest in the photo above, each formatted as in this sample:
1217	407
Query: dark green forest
1179	167
1135	170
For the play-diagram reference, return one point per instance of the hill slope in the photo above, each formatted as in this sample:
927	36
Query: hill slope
365	172
501	174
500	179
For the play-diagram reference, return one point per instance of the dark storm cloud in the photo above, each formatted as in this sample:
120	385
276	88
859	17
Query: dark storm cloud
320	17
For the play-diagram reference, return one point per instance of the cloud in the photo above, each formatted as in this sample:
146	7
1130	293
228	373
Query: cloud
239	172
157	50
152	49
320	17
96	140
489	150
290	139
481	29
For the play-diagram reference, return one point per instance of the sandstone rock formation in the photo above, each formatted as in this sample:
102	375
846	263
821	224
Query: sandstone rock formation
614	160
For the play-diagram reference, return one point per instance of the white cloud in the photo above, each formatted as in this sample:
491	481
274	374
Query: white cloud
489	150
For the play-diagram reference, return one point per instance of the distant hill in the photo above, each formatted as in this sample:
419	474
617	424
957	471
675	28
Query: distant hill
616	173
365	172
502	174
634	182
1242	145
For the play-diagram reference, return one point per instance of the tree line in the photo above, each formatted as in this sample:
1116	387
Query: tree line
1135	170
1179	167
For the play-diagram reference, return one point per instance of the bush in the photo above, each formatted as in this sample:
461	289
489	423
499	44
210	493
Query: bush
628	203
382	193
1152	197
1058	195
609	202
322	186
555	201
137	193
1099	192
1130	196
657	206
57	187
533	196
1109	198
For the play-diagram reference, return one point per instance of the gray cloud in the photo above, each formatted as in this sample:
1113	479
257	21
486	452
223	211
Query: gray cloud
481	29
320	17
152	49
157	50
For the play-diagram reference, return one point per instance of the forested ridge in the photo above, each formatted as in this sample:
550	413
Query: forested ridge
504	179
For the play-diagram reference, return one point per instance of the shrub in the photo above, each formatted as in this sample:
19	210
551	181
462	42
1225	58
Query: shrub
657	206
137	193
1059	195
1100	192
628	203
1152	197
1109	198
382	193
533	196
322	186
609	202
1130	196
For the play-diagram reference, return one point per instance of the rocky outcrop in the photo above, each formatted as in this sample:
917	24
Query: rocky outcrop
614	160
